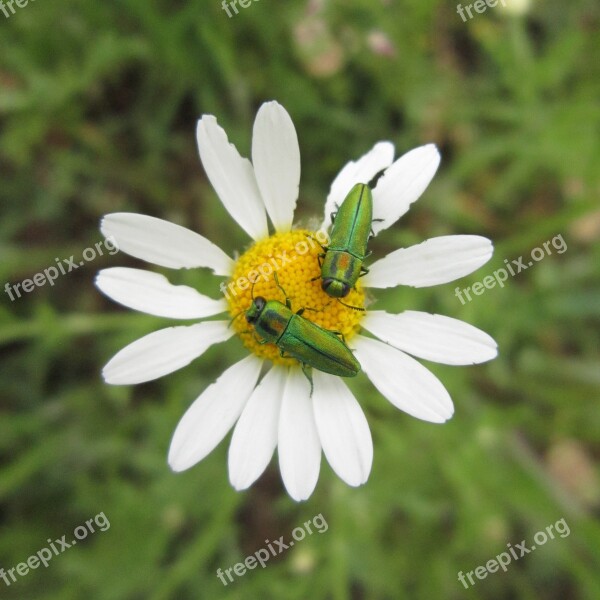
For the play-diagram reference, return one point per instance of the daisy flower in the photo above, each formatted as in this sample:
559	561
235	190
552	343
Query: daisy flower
279	411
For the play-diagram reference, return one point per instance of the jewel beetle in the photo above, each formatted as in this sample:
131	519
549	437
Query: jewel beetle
342	260
300	338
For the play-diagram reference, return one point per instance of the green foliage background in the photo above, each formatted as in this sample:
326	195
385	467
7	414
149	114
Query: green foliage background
98	105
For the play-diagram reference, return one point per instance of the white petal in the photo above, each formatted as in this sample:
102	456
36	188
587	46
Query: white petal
432	337
163	243
402	184
232	177
276	160
163	352
153	294
433	262
343	429
212	414
407	384
255	435
299	448
362	171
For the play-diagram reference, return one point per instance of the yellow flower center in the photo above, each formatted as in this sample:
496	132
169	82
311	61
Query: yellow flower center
293	256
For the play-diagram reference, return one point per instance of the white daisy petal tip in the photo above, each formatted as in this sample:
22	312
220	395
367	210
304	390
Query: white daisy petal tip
175	466
232	177
492	350
432	337
212	414
402	184
299	447
433	151
413	388
380	157
152	293
164	351
343	429
428	156
254	437
435	261
276	161
163	243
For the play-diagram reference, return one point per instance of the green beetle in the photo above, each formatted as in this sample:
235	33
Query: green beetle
300	338
342	262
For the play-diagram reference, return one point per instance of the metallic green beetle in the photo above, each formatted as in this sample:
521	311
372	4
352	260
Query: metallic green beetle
300	338
341	263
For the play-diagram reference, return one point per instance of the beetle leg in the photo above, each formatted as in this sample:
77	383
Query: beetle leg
339	334
318	242
363	271
372	232
308	375
300	311
373	183
259	341
320	258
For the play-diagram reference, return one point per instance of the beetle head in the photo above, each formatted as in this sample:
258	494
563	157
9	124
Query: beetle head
256	308
335	288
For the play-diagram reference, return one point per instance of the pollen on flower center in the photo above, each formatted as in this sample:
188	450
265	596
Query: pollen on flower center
294	257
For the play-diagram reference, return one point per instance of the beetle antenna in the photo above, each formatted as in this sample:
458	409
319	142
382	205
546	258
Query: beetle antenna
350	306
279	285
252	289
236	316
